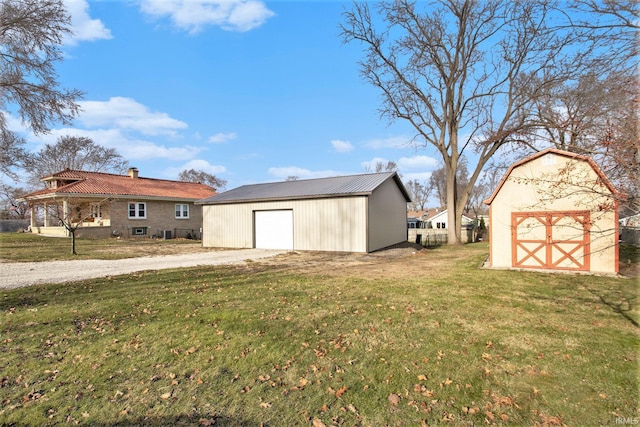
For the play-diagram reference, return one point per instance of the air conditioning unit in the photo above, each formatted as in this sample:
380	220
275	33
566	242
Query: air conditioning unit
167	234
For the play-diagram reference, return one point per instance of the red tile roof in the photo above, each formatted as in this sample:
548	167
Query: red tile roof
82	183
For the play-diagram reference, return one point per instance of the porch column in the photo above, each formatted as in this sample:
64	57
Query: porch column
46	214
32	217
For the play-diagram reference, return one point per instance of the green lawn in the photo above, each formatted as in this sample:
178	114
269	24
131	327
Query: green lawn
267	344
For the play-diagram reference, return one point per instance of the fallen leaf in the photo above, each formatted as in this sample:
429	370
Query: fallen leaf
165	395
341	391
318	423
422	377
394	399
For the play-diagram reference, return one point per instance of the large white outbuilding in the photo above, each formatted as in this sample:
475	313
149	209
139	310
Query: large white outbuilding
554	210
357	213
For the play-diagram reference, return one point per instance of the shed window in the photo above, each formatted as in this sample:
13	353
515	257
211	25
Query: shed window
137	210
182	211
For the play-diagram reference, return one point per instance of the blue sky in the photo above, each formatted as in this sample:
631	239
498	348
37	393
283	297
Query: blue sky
246	90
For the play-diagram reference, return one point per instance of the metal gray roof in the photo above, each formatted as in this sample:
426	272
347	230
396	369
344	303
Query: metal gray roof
338	186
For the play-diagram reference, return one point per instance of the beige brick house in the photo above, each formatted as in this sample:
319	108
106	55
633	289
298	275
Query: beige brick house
109	205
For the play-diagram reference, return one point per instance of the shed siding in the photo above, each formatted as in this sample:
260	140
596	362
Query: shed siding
387	216
335	224
560	184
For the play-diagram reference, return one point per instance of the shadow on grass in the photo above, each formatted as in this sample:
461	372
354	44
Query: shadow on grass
182	420
12	300
620	304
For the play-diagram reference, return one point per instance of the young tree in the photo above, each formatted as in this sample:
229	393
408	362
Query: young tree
463	74
192	175
71	214
31	32
76	153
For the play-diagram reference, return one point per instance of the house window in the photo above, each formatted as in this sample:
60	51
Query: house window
182	211
137	210
441	225
139	231
95	211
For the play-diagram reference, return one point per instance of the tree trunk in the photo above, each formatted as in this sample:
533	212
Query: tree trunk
453	224
73	242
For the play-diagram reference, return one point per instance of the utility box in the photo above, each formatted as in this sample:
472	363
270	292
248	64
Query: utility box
167	234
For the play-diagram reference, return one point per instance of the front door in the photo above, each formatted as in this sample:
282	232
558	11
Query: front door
551	240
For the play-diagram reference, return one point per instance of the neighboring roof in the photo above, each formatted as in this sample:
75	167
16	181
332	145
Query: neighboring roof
568	154
87	184
339	186
433	213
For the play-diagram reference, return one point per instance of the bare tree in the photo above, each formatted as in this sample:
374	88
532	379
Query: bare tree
438	182
390	166
10	206
462	73
31	32
76	153
192	175
597	114
72	213
419	192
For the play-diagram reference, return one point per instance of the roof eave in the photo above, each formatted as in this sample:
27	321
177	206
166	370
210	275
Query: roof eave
280	199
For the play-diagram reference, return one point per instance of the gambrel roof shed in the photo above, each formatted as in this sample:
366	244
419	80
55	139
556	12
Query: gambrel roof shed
554	210
356	213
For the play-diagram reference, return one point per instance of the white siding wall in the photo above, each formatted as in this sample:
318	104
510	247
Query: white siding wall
337	224
387	216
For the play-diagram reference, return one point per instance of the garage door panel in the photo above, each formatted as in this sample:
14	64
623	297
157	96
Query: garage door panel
531	228
531	254
273	229
567	228
568	255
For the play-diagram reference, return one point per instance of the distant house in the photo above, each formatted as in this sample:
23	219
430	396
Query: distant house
554	210
356	213
431	226
437	219
104	205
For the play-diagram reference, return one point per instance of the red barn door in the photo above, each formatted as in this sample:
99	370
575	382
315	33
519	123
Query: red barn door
550	240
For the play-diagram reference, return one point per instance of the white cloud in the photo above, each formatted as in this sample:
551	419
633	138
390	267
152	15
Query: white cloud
131	148
83	26
342	146
284	172
194	15
221	138
419	176
391	142
371	164
126	113
417	162
197	164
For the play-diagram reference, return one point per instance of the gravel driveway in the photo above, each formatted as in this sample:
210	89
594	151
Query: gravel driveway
19	274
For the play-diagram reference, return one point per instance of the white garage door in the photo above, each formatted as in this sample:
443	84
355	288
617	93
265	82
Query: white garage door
274	229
